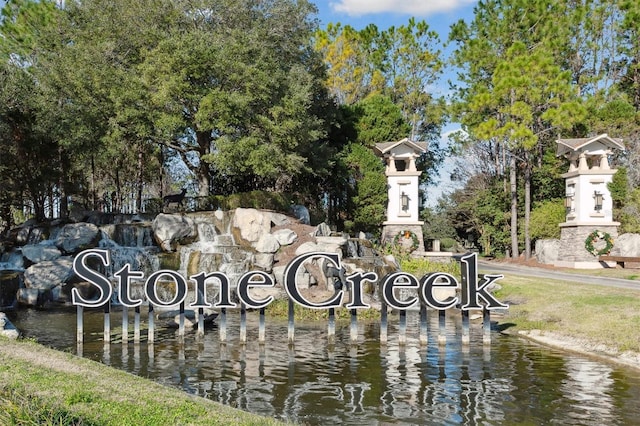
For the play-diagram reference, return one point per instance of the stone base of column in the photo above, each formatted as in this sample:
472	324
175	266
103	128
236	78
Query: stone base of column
401	234
572	252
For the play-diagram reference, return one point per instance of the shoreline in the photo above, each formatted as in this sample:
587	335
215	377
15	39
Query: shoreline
591	313
583	347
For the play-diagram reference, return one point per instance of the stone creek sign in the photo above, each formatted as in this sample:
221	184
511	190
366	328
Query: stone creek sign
474	294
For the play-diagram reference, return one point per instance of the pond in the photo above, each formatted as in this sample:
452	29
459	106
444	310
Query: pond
509	381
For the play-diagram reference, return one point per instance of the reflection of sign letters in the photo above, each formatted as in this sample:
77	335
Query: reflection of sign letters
474	294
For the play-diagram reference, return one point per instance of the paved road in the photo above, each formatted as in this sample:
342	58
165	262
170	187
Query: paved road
501	268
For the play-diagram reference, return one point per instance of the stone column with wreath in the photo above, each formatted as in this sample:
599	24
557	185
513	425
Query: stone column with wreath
589	229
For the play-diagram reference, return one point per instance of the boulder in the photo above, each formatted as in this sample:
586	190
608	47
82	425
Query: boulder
33	297
307	247
267	243
35	253
48	274
75	237
12	260
264	261
278	274
169	230
546	251
626	245
279	219
252	224
27	233
7	329
322	230
332	244
285	236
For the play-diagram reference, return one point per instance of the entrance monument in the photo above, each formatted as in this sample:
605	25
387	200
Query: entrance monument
402	225
589	229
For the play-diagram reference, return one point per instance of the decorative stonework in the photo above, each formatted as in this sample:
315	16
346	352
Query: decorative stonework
403	182
390	232
572	251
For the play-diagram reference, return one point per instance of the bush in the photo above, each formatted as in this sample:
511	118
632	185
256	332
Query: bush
255	199
153	205
545	218
447	244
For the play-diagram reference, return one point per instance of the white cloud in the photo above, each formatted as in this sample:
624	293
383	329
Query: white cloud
410	7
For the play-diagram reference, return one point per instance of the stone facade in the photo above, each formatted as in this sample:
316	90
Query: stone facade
389	233
572	246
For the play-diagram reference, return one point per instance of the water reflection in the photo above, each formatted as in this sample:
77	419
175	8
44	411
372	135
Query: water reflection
509	381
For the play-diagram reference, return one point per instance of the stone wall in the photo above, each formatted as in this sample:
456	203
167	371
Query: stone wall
572	252
389	232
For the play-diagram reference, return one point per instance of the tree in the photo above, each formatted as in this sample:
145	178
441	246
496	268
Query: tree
233	96
354	63
387	77
28	165
370	198
515	94
545	217
379	120
31	164
477	213
232	88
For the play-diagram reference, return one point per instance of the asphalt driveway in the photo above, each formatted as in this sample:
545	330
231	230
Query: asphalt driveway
503	268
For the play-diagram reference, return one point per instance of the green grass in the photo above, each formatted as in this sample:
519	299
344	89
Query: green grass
601	315
420	267
41	386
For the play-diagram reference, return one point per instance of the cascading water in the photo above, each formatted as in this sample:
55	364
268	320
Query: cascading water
12	261
141	257
214	251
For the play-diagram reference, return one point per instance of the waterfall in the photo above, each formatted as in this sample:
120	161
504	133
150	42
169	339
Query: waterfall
12	260
141	258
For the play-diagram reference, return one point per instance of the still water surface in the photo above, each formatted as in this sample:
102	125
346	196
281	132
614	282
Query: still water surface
510	381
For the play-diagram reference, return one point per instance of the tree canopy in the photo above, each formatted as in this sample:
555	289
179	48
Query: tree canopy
108	103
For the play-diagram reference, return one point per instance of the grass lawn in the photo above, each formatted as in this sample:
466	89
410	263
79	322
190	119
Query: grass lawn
601	315
39	385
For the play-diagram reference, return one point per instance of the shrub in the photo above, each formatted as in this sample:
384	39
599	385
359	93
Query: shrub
447	244
255	199
545	218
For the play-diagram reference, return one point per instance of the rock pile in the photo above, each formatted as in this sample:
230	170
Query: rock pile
233	242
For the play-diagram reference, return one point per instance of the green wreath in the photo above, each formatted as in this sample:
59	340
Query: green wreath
407	234
596	236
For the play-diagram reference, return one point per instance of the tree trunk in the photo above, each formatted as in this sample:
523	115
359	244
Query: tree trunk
115	198
514	207
527	210
140	178
162	172
93	183
63	184
202	171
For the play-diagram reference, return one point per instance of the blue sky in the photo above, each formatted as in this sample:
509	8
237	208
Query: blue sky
439	14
